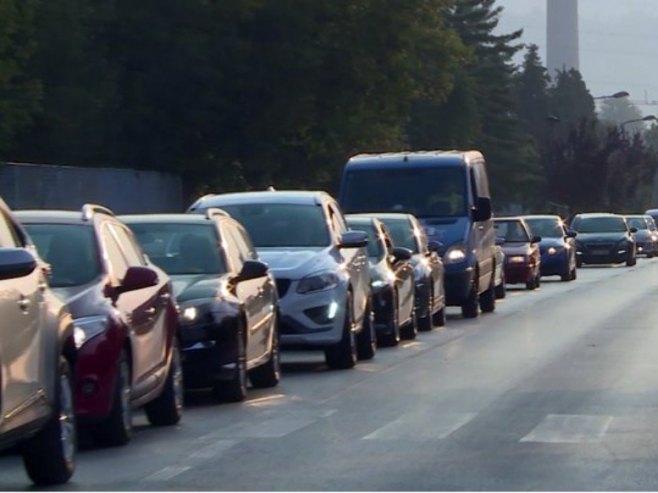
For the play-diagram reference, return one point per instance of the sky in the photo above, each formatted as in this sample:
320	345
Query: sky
618	43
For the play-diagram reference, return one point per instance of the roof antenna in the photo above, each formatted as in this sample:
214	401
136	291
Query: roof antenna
271	189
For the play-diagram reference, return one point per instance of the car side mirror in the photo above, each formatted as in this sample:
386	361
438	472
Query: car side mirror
633	230
482	210
536	239
400	253
434	246
253	269
500	240
16	262
571	233
138	278
353	239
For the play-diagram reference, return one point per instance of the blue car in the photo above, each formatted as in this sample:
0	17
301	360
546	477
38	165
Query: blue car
557	246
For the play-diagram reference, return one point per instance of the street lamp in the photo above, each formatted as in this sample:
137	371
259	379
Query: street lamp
648	118
617	95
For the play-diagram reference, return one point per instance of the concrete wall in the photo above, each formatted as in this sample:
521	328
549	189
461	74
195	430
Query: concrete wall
36	186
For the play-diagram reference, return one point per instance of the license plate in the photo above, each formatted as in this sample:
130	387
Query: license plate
600	252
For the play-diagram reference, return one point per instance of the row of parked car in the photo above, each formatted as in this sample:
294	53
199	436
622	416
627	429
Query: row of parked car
130	311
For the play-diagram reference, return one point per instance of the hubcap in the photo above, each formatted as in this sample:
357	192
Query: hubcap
66	418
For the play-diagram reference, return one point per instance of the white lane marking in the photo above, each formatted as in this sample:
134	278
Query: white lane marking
214	450
264	401
273	424
569	428
167	473
421	426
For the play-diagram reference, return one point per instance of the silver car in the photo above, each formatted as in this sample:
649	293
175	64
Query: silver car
321	269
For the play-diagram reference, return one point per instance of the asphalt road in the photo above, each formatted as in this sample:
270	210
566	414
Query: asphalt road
557	390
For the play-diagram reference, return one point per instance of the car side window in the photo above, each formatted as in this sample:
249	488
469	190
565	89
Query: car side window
117	263
8	235
337	223
132	251
233	252
247	250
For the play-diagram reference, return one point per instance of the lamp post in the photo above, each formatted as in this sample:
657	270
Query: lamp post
617	95
648	118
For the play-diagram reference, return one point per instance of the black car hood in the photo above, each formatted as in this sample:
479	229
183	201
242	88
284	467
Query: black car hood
193	286
601	237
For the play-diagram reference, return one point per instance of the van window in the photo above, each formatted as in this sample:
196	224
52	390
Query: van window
423	192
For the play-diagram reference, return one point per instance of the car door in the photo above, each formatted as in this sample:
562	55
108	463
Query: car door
22	346
434	263
483	235
250	292
356	261
405	279
138	310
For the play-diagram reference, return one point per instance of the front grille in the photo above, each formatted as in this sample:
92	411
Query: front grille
282	286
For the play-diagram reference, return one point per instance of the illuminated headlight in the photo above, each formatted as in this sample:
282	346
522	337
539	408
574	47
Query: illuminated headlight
86	328
454	255
318	282
190	314
552	251
517	259
378	284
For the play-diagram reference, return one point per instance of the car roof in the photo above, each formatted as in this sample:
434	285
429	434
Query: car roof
164	218
51	216
542	216
509	218
415	158
264	197
384	215
597	214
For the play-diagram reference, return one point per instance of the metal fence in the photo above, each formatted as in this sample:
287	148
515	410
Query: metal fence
39	186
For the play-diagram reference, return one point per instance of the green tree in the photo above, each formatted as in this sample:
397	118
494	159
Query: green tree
19	92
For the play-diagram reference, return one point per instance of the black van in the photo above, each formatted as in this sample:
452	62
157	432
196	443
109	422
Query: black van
448	191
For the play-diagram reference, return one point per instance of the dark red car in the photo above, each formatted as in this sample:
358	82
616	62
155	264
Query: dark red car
521	248
125	319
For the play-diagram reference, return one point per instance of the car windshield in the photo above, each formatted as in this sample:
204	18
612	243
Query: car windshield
423	192
375	248
637	223
401	233
70	249
511	231
282	225
546	227
652	224
180	249
599	225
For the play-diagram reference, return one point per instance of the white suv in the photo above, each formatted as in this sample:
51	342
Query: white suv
37	351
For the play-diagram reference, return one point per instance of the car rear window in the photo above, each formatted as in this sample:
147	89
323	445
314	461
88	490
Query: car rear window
599	224
546	227
70	249
511	231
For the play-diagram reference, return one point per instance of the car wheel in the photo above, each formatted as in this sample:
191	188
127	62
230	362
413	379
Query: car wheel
538	280
501	289
49	456
470	306
631	261
424	324
439	318
392	335
567	275
117	429
269	374
574	274
409	330
488	298
235	389
531	284
342	356
579	263
167	408
366	341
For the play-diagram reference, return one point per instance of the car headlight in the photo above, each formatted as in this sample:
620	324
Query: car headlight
554	250
318	282
86	328
517	259
454	254
190	314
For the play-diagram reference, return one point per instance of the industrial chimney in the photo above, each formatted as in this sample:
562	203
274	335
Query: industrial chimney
562	35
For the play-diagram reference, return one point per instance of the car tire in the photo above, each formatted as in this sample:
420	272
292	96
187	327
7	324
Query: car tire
579	263
567	276
574	274
49	456
366	340
167	408
501	289
538	280
235	389
409	331
269	374
439	317
488	298
471	306
424	324
630	262
117	429
531	284
392	336
343	356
